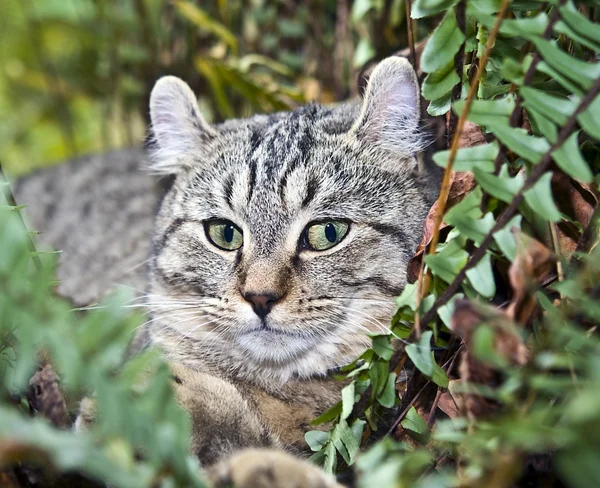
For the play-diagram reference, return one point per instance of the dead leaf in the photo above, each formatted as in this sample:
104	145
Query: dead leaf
577	201
48	397
508	344
462	184
533	264
449	405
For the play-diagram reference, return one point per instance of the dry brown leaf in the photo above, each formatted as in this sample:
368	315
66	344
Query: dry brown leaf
48	397
462	184
576	200
467	317
533	264
449	405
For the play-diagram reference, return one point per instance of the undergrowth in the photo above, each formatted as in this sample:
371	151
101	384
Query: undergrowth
498	330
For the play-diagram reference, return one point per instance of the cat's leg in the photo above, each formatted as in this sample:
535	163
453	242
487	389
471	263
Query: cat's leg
223	420
268	468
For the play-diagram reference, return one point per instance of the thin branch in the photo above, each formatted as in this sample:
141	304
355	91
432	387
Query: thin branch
515	116
431	416
449	365
447	180
10	198
411	35
509	211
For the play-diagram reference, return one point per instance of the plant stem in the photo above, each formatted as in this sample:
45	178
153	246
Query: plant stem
509	211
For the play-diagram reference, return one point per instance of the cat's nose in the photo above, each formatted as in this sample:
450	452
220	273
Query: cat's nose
262	303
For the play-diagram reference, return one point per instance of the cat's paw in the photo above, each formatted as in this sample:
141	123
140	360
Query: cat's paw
269	468
88	412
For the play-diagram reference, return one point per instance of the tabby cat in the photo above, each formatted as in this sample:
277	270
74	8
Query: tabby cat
280	241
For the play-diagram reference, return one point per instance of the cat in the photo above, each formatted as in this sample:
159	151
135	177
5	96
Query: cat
279	242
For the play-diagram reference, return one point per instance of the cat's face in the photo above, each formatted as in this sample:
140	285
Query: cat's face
284	240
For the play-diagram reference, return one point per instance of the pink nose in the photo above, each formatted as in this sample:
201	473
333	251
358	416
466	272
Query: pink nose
262	303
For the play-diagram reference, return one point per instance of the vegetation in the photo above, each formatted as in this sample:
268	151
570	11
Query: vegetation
498	328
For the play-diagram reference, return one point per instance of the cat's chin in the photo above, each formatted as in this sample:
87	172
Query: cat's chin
275	347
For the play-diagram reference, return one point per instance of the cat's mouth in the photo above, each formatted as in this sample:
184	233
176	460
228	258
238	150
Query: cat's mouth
265	328
269	344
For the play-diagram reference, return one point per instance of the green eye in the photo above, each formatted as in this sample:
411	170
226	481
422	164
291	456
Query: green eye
224	234
324	235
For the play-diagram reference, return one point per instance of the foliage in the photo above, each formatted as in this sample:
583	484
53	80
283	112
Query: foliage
135	417
75	75
496	64
508	288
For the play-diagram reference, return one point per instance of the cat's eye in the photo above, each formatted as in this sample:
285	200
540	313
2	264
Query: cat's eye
321	236
224	234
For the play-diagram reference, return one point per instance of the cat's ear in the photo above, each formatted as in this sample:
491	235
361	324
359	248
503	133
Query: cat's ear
390	112
178	129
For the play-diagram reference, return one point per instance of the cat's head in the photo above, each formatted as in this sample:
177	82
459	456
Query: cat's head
285	238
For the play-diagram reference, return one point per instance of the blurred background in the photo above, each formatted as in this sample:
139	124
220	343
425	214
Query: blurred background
75	75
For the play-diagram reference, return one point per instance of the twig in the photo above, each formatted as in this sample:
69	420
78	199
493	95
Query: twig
434	405
447	180
459	62
10	198
556	246
411	35
515	116
509	211
450	362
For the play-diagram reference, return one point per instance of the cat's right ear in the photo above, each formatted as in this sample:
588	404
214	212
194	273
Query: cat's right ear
178	130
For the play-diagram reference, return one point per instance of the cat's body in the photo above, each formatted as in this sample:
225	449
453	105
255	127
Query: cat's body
280	242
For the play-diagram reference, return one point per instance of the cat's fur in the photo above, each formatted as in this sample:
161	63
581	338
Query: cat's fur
247	381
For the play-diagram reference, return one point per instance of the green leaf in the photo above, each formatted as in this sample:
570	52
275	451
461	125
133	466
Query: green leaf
487	112
330	458
580	72
467	158
316	439
440	83
465	216
202	20
530	147
378	373
557	109
443	44
540	200
541	125
363	53
447	263
414	422
446	311
349	441
440	106
328	415
347	400
387	397
569	159
481	277
580	23
408	298
425	8
382	347
503	187
420	354
506	239
526	27
563	28
573	87
589	119
439	376
467	207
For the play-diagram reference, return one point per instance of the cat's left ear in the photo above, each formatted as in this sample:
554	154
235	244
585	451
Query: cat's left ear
179	132
390	112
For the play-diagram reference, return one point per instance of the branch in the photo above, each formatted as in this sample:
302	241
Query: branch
509	211
423	281
515	117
